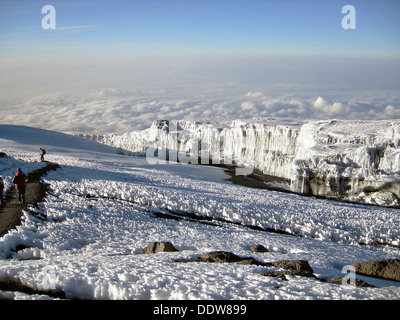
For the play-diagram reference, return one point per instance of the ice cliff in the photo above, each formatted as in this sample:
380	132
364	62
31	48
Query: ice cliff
352	160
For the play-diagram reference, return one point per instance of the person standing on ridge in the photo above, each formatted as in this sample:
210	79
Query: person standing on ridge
19	181
42	153
1	191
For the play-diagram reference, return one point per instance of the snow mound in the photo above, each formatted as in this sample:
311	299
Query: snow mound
35	137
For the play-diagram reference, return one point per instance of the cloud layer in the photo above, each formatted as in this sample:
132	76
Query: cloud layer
113	111
121	95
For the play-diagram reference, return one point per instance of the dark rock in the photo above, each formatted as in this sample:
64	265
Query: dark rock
295	265
258	248
388	269
359	283
250	261
219	257
15	285
280	274
224	257
156	247
294	268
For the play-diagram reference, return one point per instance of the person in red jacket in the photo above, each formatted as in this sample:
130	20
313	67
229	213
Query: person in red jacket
19	181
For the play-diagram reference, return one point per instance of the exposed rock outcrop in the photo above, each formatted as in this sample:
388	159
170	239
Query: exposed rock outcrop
293	268
258	248
358	282
223	257
388	269
156	247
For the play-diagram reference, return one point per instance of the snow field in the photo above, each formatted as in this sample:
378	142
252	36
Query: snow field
100	214
159	186
95	252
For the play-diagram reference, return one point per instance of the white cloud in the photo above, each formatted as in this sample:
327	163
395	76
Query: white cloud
329	109
109	95
246	106
391	111
79	28
255	94
320	103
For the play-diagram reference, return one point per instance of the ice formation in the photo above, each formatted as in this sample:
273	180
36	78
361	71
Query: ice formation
352	160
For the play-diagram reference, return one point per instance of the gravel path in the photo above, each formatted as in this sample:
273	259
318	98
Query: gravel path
11	210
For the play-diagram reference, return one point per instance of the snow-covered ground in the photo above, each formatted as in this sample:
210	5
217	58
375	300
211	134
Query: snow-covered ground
101	213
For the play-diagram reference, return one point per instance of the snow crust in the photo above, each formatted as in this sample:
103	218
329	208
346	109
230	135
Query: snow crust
353	160
102	212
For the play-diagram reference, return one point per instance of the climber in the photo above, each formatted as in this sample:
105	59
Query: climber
19	181
1	190
42	153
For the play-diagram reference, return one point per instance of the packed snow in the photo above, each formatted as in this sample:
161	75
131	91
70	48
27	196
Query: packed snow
104	207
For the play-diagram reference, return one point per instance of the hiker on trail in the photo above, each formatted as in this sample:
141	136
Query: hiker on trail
1	190
42	153
19	181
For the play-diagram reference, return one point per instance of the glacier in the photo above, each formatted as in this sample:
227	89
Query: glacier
357	161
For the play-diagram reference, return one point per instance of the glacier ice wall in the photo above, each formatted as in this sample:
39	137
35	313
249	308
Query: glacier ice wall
352	160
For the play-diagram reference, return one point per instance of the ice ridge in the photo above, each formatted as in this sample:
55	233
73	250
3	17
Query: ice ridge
351	160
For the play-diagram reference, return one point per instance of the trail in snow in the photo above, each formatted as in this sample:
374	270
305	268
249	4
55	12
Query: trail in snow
36	190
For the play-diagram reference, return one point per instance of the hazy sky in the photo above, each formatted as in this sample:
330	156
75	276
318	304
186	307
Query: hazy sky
122	64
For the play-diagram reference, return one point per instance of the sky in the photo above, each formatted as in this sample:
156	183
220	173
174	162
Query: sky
154	27
235	58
